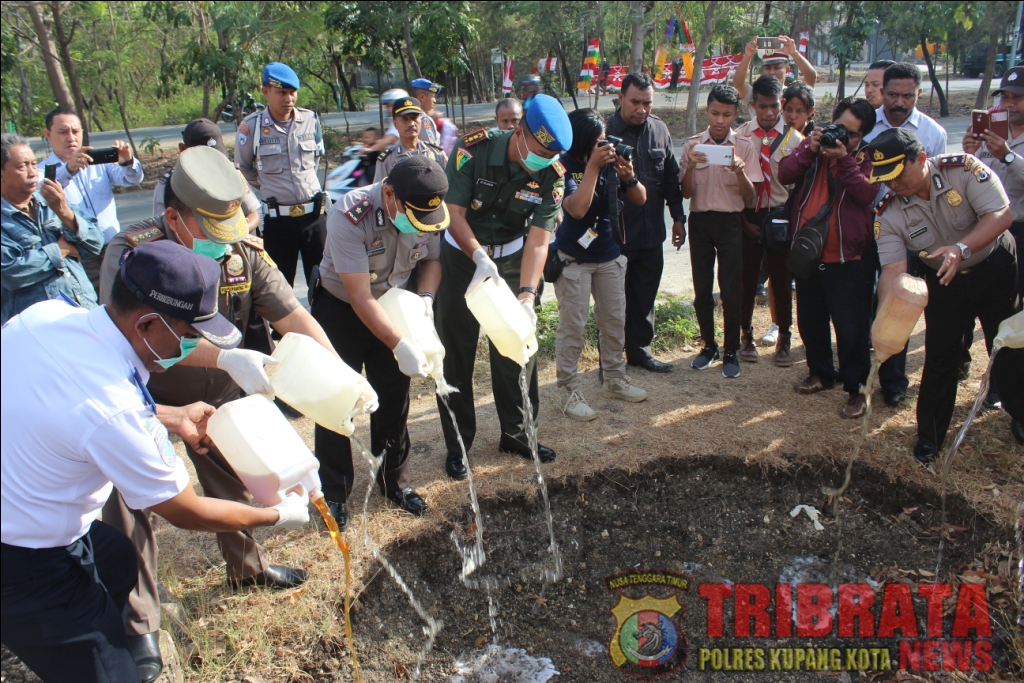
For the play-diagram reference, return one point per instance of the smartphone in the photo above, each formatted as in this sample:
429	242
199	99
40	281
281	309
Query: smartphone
106	155
50	172
718	155
769	44
997	121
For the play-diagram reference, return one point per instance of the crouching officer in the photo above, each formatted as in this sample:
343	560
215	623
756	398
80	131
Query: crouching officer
203	213
278	150
506	187
953	213
77	421
376	237
408	121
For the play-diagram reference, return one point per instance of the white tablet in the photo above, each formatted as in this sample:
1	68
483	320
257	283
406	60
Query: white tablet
718	155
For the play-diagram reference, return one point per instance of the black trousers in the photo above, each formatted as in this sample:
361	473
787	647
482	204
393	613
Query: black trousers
1017	233
459	331
285	238
389	425
63	608
717	234
1008	380
987	292
892	374
643	277
835	293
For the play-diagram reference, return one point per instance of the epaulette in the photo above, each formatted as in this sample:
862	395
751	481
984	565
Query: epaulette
439	148
355	214
883	202
148	232
384	154
952	160
254	241
166	177
558	168
474	138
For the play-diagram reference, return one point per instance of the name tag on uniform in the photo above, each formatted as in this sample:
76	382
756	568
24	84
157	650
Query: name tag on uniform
588	237
375	252
532	197
236	289
485	182
919	232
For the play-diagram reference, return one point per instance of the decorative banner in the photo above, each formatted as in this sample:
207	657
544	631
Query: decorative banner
662	54
804	37
716	70
506	77
590	70
686	32
549	64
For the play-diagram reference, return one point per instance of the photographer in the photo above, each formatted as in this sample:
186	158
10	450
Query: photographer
832	186
595	175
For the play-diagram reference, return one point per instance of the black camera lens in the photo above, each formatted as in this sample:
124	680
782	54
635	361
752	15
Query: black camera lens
623	150
834	133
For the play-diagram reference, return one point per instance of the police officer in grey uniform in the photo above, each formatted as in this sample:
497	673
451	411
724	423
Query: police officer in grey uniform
376	237
278	150
408	117
952	212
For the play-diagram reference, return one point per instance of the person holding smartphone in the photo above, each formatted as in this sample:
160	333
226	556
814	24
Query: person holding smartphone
596	176
775	54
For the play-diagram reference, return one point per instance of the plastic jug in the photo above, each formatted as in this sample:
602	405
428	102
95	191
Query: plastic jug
897	315
320	385
503	320
263	449
408	316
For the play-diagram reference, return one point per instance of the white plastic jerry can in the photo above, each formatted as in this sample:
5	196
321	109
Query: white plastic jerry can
319	385
898	315
263	449
503	320
408	314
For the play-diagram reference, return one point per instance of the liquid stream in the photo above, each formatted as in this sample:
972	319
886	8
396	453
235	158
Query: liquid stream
332	528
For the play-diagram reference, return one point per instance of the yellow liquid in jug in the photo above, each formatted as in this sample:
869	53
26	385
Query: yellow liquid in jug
332	528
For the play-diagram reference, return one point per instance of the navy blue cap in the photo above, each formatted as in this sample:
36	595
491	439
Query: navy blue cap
280	75
427	84
547	121
179	282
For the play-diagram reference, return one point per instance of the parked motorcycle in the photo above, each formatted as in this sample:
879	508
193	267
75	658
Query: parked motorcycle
356	170
249	105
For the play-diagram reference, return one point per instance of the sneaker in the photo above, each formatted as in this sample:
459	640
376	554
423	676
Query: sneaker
705	358
574	406
771	336
620	387
748	350
730	366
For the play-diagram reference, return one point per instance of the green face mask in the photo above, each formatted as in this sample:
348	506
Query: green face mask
186	344
210	248
402	222
535	163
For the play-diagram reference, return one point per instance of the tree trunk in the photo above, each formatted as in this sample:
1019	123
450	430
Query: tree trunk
339	69
981	101
61	93
207	87
405	71
936	86
710	20
122	103
230	82
767	13
204	41
798	19
408	41
26	94
639	28
63	41
565	69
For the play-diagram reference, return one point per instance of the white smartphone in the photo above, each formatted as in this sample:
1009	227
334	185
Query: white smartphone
718	155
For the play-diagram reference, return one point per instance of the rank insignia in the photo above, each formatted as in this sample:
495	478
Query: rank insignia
474	138
384	155
379	217
533	185
461	157
937	180
476	204
878	229
883	202
954	198
234	265
543	136
559	169
953	160
373	277
355	214
266	130
137	237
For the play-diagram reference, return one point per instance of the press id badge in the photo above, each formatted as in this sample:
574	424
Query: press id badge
588	237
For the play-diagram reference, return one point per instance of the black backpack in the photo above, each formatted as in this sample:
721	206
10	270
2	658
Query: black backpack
809	244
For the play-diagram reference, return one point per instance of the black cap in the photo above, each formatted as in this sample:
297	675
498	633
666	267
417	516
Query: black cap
179	282
405	105
421	185
1012	82
204	132
889	153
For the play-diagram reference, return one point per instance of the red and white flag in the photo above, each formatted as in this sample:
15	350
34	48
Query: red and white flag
506	77
548	64
804	36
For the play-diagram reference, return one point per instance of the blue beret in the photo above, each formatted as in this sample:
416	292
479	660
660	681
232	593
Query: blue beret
280	75
427	84
549	124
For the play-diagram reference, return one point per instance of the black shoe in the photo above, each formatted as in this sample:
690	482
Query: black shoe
925	452
705	358
1017	429
510	445
651	365
145	651
894	398
275	576
992	401
287	409
455	468
340	513
730	366
410	501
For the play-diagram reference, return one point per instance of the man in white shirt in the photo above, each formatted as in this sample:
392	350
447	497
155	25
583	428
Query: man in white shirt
89	185
77	420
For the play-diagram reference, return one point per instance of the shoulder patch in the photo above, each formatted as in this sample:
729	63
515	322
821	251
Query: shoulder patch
356	213
558	168
474	138
254	241
461	157
952	160
146	232
384	154
883	202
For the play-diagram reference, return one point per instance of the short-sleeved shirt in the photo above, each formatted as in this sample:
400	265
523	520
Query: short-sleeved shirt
790	139
502	199
716	188
428	130
1011	175
387	159
362	239
249	280
288	154
75	424
962	190
573	235
249	202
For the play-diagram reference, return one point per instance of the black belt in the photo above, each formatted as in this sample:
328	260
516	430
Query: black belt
988	260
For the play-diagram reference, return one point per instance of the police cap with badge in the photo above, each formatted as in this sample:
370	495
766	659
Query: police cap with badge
278	75
428	85
207	183
549	124
403	106
204	133
1012	82
421	185
889	153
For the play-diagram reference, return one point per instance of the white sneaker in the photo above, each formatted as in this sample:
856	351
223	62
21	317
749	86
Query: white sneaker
771	336
620	388
574	406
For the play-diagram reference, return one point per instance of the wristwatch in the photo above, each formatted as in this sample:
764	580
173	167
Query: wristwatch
530	290
1008	159
965	251
632	182
126	164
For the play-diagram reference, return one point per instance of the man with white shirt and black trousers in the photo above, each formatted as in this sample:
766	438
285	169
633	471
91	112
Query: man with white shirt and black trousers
643	245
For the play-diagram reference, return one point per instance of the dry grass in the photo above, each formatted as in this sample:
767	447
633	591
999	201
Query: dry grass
757	418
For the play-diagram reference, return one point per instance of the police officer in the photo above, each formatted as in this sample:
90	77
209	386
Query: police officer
505	190
953	213
89	424
408	120
377	236
278	149
203	213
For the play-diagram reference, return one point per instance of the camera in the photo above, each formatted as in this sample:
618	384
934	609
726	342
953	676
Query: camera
834	133
623	150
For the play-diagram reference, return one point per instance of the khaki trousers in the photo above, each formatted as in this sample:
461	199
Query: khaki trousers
244	556
606	282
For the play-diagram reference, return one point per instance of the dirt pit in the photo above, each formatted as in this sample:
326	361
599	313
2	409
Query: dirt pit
714	520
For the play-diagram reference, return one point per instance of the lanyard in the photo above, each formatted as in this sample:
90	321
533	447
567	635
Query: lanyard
147	397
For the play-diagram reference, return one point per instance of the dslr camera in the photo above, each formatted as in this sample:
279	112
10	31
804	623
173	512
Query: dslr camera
833	133
623	150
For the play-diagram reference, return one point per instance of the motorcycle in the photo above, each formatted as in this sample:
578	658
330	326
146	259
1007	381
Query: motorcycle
356	170
227	115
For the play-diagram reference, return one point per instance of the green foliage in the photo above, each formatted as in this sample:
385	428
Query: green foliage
150	145
848	37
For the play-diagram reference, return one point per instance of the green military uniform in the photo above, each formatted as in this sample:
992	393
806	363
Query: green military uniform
502	202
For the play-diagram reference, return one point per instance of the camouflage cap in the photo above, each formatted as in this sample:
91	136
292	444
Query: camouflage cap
208	183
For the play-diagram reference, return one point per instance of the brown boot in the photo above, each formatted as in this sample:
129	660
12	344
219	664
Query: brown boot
783	358
748	350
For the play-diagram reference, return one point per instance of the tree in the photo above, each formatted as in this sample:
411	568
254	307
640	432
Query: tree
997	16
848	39
407	25
64	39
640	26
713	13
44	26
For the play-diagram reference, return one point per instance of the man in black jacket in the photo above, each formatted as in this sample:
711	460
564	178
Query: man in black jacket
643	246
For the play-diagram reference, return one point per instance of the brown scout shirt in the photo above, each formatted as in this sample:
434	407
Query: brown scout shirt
249	280
716	188
790	139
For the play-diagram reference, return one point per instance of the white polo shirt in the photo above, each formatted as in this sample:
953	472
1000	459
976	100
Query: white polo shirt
72	421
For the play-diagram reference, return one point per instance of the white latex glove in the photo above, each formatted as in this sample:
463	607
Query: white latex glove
294	511
1011	333
428	304
411	360
531	313
485	268
246	368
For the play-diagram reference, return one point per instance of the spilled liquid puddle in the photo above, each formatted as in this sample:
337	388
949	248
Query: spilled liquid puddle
339	540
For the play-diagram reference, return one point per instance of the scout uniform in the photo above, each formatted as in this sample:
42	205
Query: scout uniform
503	201
390	156
281	158
985	286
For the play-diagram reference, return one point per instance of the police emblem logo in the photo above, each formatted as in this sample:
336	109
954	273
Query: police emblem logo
233	205
296	211
1012	76
373	277
274	82
954	198
648	640
556	194
163	443
878	229
415	256
877	155
980	174
434	201
379	242
543	136
235	266
266	130
476	204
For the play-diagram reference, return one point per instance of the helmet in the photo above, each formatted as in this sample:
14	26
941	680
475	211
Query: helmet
390	96
532	79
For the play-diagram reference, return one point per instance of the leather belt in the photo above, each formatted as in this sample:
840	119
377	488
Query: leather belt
493	250
295	210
